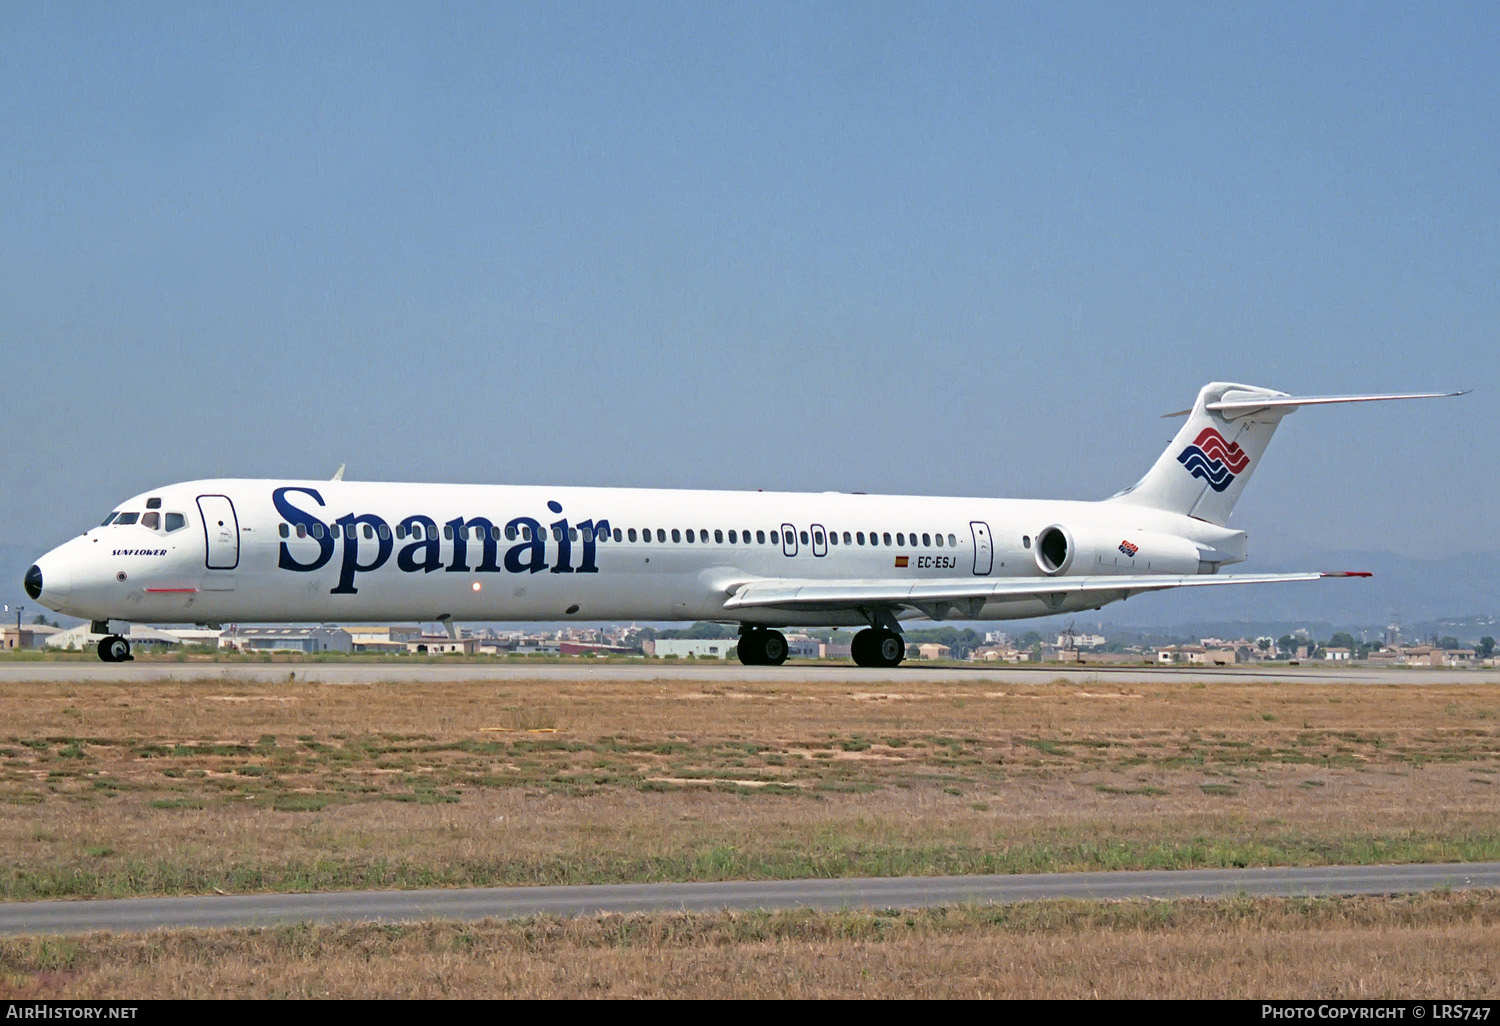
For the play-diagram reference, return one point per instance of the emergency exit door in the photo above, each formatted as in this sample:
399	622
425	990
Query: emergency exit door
984	549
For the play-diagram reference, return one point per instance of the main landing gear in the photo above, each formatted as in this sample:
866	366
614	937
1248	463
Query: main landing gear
876	646
761	647
114	649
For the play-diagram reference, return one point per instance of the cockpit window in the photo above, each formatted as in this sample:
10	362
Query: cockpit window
154	502
109	518
151	520
175	522
126	518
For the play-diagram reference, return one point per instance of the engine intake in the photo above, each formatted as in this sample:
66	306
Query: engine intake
1096	551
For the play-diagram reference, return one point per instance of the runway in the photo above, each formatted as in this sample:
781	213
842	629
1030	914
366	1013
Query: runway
128	914
827	673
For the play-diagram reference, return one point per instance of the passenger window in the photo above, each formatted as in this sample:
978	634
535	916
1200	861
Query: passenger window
620	535
886	538
317	531
126	518
833	537
926	540
448	532
588	534
939	539
1025	541
760	537
630	534
689	536
385	531
301	530
859	536
350	533
151	520
774	539
510	532
847	541
417	531
817	537
285	531
676	535
804	537
369	533
176	522
952	542
526	532
900	538
732	539
661	534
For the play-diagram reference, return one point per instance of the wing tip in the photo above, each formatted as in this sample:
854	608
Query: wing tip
1345	573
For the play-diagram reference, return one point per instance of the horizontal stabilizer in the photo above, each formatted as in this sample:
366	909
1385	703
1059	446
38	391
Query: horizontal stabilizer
1236	402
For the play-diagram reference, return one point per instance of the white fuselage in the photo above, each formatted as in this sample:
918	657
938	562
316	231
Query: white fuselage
311	551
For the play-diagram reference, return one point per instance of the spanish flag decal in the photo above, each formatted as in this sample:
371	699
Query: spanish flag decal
901	561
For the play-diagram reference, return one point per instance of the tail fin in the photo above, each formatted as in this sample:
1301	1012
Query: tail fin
1204	470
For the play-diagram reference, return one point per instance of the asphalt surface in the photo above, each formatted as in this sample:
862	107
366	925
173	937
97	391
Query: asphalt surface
587	670
131	914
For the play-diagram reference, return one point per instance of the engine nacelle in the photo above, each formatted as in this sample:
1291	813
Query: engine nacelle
1091	551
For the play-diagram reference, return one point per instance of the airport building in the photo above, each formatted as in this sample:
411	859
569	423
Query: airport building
287	639
27	636
382	639
697	648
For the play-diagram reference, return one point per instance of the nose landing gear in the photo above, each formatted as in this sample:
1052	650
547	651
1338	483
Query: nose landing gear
114	649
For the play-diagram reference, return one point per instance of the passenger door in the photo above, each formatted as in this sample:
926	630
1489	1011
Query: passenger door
221	532
788	540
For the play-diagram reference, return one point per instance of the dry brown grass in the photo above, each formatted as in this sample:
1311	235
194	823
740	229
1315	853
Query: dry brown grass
169	787
1438	946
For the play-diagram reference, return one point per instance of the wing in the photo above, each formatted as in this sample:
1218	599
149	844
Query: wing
947	598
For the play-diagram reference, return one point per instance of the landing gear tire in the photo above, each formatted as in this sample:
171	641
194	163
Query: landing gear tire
114	649
773	646
877	648
889	648
761	647
751	647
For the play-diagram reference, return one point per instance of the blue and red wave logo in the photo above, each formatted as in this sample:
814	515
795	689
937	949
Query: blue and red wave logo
1215	460
1129	548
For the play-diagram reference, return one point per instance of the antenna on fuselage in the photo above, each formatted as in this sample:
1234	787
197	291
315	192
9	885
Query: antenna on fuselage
338	475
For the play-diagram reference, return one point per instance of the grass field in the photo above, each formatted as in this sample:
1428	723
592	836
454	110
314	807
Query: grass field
1435	946
154	788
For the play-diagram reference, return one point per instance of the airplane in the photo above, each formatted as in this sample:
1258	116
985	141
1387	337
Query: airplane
288	551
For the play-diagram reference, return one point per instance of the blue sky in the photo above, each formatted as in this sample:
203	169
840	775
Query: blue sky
949	249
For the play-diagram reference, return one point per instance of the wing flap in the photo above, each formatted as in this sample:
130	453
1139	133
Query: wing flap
806	594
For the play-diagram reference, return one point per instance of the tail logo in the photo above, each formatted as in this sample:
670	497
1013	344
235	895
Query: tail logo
1215	460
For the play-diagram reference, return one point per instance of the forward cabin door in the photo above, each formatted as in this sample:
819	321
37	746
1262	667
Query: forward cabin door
984	549
221	532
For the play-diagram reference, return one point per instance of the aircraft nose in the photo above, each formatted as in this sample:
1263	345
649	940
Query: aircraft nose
33	581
